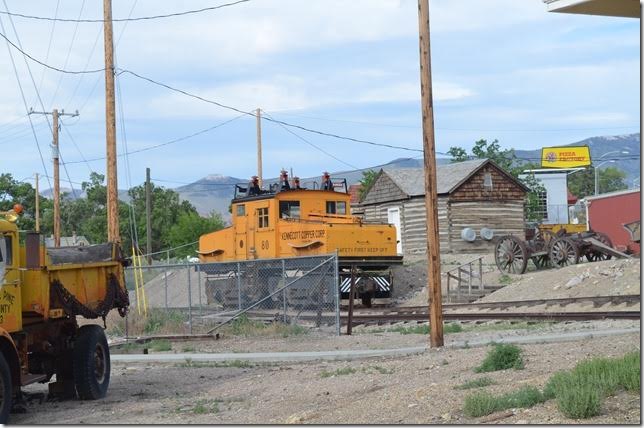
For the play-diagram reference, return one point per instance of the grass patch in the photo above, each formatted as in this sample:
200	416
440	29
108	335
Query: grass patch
476	383
338	372
501	357
189	363
159	345
425	329
188	348
202	407
505	279
244	326
381	370
579	392
483	403
523	325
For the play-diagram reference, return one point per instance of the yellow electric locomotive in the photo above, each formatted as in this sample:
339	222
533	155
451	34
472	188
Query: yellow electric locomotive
288	220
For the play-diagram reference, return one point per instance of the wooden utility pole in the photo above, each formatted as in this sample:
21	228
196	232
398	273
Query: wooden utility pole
259	146
55	157
56	181
110	128
37	205
431	198
148	215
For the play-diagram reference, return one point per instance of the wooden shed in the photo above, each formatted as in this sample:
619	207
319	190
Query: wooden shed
473	194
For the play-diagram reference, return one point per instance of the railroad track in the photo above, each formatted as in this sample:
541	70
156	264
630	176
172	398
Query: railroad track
597	301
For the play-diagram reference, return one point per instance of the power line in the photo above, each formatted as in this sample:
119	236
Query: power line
327	134
76	145
60	70
314	146
140	18
51	39
176	140
24	100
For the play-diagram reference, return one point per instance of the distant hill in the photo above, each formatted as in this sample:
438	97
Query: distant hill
214	192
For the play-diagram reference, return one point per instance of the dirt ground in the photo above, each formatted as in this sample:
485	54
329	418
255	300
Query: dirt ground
417	389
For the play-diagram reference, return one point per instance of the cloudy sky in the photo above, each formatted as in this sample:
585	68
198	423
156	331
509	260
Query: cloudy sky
502	69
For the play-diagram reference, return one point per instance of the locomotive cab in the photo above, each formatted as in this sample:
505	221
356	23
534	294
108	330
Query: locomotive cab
290	221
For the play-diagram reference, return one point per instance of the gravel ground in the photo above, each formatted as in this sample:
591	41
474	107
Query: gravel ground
413	390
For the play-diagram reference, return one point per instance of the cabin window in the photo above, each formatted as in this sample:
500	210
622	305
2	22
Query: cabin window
289	209
336	207
487	181
262	217
241	210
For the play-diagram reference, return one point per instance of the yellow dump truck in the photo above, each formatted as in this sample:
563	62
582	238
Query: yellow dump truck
42	291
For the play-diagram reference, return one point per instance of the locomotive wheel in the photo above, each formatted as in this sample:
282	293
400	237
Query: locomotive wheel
564	252
511	255
597	256
91	363
5	390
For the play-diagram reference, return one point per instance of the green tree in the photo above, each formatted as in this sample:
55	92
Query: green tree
582	183
16	192
458	154
482	149
368	177
188	228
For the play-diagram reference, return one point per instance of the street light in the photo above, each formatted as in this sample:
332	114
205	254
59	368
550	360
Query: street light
624	152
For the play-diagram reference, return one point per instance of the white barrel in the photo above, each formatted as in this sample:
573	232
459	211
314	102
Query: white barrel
468	234
487	233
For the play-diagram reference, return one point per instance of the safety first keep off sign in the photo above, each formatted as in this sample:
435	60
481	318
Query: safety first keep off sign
565	157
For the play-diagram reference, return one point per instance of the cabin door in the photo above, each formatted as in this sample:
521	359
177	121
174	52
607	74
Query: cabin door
393	217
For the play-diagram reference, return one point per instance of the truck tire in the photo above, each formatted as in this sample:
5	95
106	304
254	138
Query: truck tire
91	363
5	390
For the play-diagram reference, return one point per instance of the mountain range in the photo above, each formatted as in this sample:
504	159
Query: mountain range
214	192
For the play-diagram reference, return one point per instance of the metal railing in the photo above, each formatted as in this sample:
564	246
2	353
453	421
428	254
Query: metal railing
467	276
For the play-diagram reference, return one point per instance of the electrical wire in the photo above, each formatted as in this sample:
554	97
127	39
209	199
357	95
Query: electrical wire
314	146
69	51
176	140
65	127
51	39
24	100
25	54
140	18
327	134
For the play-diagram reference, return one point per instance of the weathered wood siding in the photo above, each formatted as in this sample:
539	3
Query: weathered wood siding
383	190
503	217
503	187
413	222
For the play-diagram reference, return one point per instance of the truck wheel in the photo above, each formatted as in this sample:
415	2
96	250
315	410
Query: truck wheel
5	390
91	363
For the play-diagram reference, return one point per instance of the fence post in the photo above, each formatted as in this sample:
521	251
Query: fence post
284	291
481	274
199	291
459	282
337	292
126	329
166	289
189	299
350	314
449	276
469	279
238	286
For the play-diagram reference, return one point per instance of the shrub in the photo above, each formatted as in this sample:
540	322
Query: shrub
338	372
476	383
578	400
501	357
160	345
482	403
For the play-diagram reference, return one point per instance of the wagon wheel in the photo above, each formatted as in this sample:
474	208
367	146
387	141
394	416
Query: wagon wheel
543	239
564	252
511	255
597	256
541	262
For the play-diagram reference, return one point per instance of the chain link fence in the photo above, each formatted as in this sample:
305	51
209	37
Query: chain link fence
202	297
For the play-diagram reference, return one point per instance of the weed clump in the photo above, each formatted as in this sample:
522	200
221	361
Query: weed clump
501	357
483	403
476	383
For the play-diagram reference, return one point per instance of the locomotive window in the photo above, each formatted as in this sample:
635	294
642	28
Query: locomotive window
339	207
262	217
241	210
289	209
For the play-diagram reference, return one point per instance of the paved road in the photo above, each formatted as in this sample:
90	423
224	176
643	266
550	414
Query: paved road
358	354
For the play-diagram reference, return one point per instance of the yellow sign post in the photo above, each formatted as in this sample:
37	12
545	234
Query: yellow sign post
565	157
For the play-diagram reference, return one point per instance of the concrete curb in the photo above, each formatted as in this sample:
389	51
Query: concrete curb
360	354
